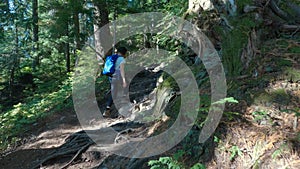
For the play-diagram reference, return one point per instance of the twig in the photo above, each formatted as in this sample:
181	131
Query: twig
294	33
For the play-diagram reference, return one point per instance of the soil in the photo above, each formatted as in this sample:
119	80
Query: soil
246	139
45	142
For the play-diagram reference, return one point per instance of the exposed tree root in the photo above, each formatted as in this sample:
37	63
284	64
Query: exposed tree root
76	143
78	153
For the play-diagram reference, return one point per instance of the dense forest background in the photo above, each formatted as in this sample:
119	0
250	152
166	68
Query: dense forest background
258	42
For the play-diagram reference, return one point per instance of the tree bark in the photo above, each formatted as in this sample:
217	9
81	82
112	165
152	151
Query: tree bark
14	63
76	11
77	30
103	38
226	6
67	49
35	31
196	5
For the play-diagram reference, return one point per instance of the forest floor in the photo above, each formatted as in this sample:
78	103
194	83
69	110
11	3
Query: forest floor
261	131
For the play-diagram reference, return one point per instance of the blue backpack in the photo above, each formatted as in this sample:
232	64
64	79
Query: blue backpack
109	66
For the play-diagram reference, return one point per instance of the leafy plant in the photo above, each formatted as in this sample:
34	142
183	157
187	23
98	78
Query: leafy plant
234	40
230	115
276	154
226	100
198	166
216	139
179	154
15	121
171	163
164	163
205	106
259	115
280	151
235	151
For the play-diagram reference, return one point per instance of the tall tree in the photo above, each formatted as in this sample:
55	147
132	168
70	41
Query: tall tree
35	32
76	7
101	18
67	47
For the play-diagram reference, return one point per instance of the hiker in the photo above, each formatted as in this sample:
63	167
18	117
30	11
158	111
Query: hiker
117	80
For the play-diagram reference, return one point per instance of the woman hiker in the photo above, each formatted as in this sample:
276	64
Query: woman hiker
117	81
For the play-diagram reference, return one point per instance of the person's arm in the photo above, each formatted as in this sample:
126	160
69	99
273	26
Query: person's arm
123	74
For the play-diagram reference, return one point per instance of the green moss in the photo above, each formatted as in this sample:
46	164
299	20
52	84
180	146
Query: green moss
281	62
282	43
280	96
264	98
294	50
292	74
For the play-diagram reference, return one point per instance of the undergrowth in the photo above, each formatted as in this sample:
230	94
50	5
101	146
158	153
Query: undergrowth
14	121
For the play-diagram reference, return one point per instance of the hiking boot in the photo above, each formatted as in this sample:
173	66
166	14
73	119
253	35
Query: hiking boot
107	113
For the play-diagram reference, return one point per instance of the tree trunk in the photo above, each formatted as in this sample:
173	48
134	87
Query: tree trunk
15	62
77	30
35	31
196	5
76	11
67	49
228	6
103	38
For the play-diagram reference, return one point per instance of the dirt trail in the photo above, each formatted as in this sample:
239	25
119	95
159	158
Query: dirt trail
60	142
260	134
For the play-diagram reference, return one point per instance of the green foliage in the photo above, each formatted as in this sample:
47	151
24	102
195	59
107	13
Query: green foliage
169	82
233	41
171	163
280	96
190	151
179	154
15	121
276	154
259	115
198	166
234	152
164	163
205	107
294	49
226	100
280	151
281	62
175	7
230	115
216	139
292	74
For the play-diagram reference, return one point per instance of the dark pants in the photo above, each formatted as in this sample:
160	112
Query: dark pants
116	89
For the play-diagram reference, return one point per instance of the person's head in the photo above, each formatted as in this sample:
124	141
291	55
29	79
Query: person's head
122	51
